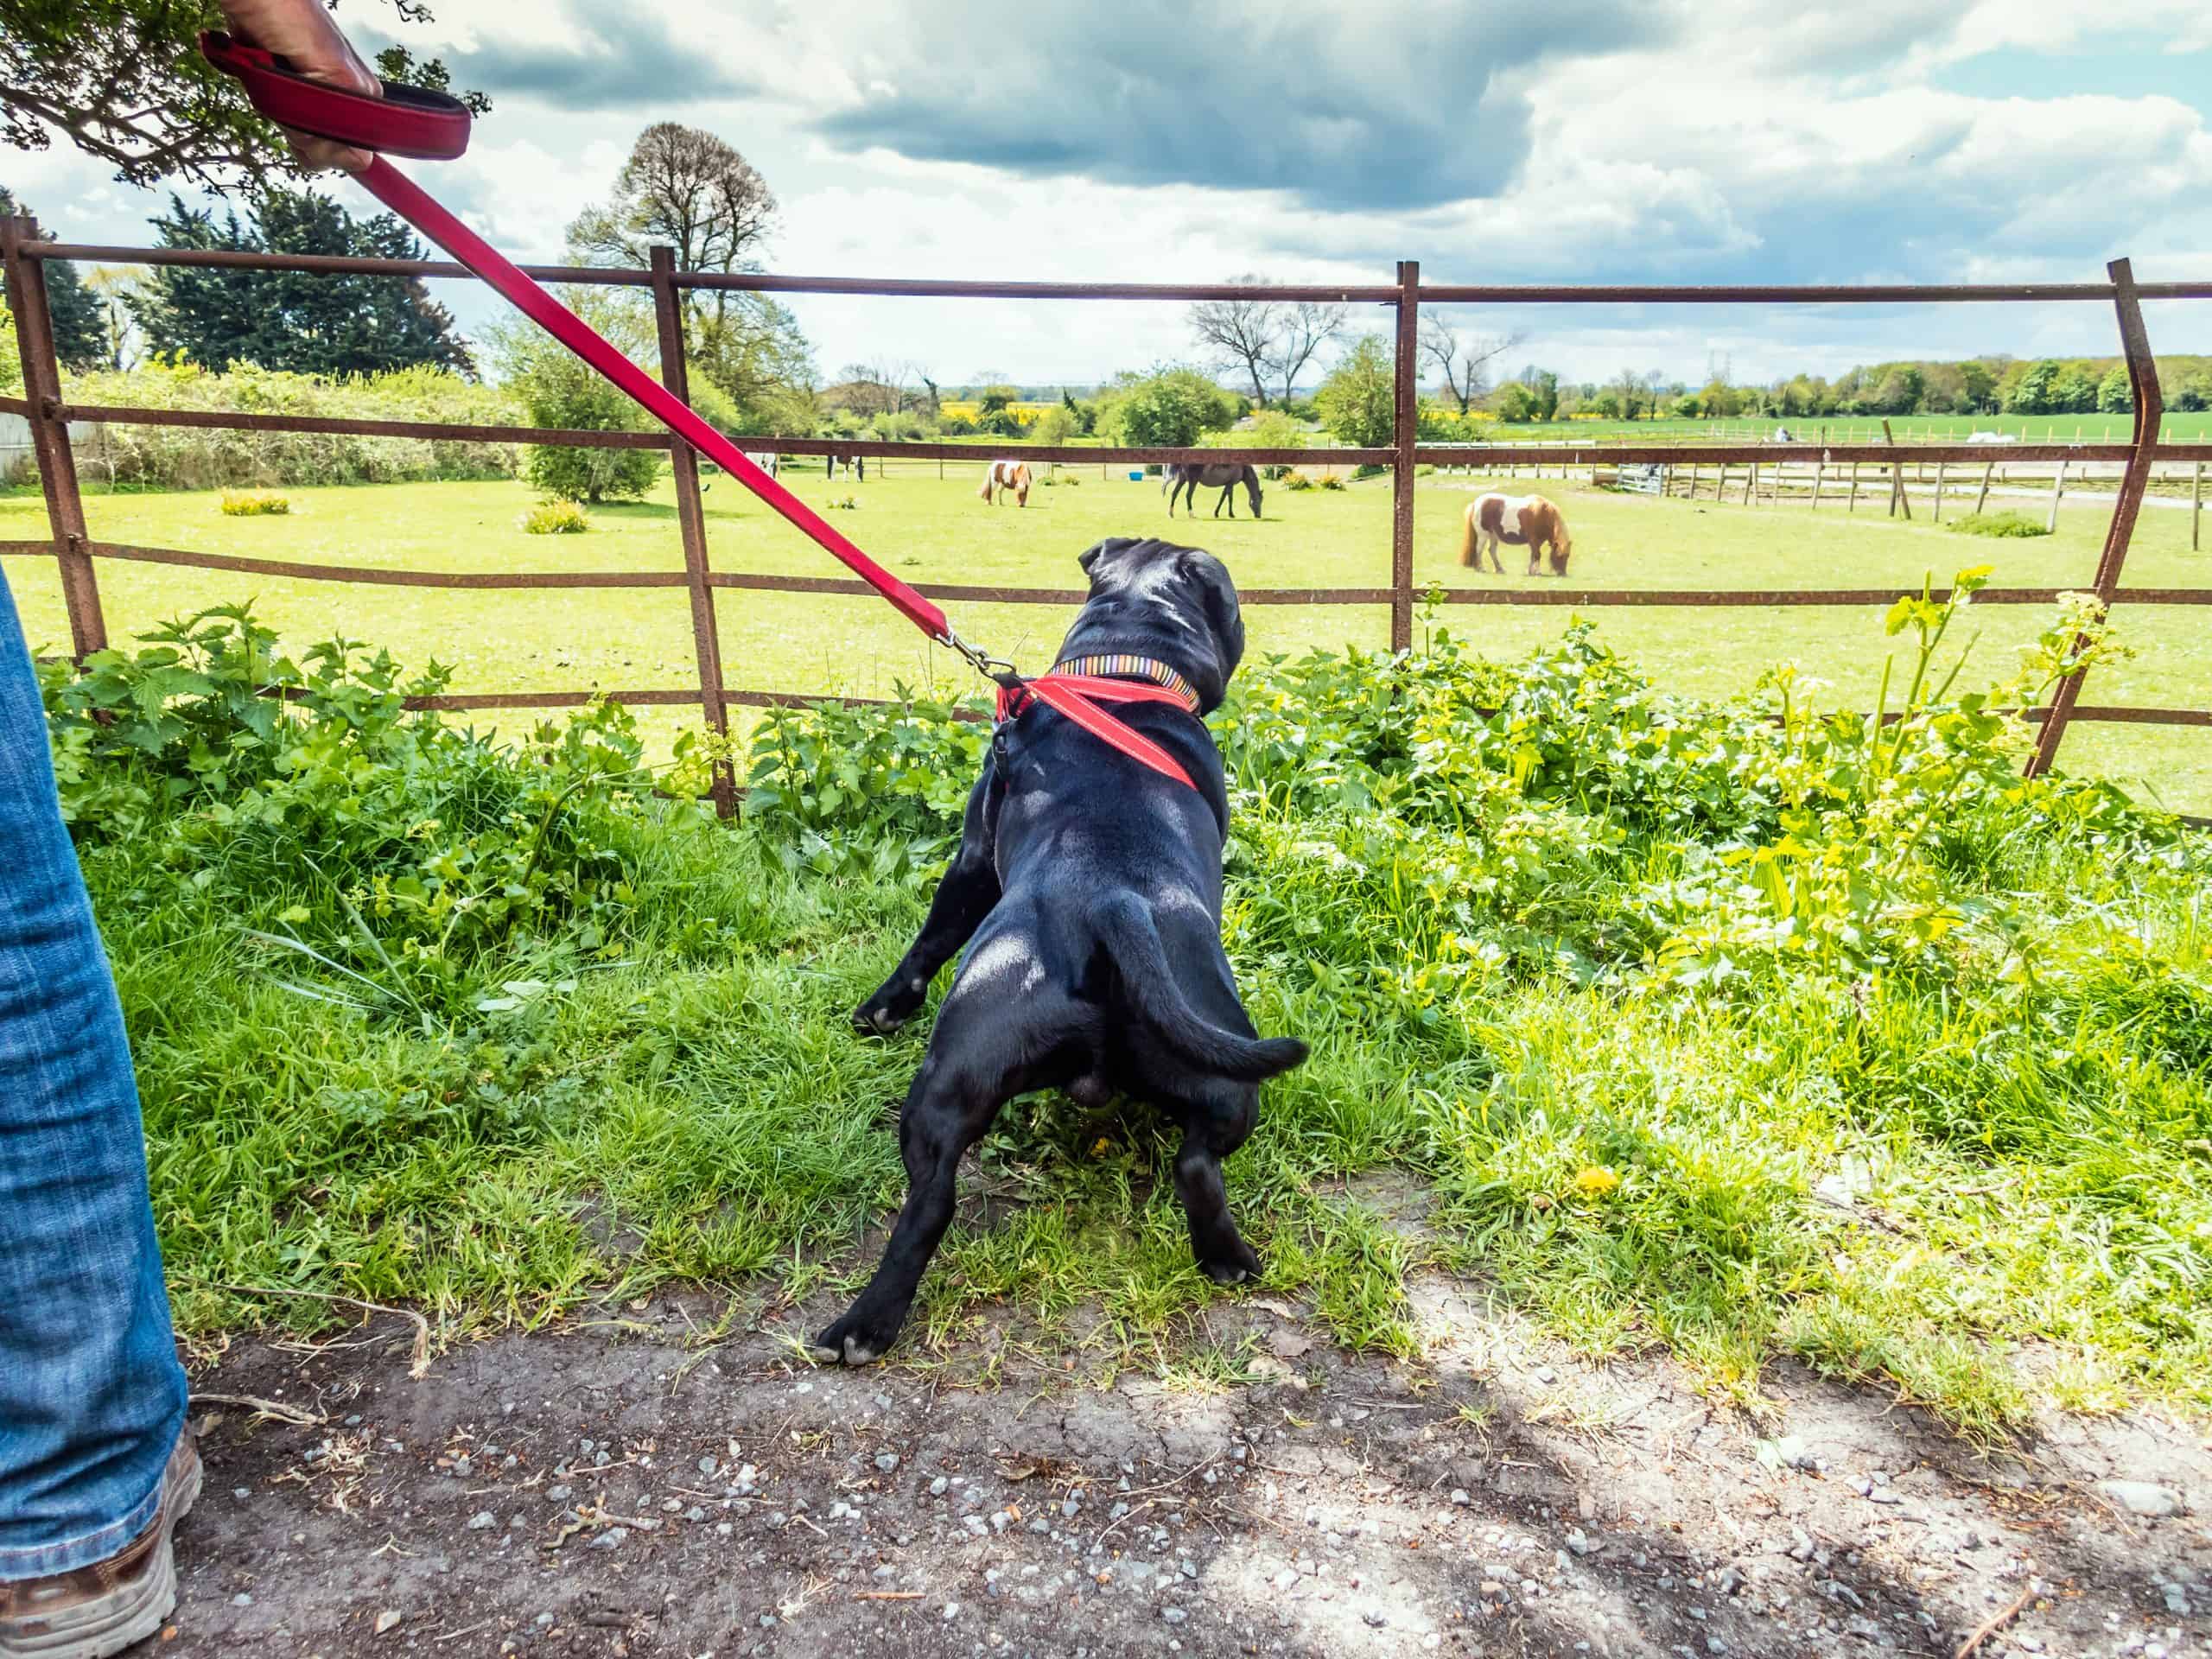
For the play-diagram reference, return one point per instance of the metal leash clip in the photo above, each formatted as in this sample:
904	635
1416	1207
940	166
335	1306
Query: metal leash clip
995	668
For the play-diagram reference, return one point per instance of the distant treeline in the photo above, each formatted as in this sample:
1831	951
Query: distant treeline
1981	385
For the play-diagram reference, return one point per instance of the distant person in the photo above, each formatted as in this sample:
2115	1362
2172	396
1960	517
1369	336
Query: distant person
97	1466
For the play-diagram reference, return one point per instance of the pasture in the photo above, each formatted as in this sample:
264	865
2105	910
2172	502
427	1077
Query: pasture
931	531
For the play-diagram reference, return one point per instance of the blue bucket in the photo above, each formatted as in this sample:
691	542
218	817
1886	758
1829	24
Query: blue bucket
1136	475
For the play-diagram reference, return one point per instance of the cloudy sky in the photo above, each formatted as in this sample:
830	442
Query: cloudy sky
1577	141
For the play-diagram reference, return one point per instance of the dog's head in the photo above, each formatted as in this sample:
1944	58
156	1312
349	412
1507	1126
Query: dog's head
1156	599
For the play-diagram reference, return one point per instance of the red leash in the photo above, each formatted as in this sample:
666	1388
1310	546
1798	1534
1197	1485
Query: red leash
409	121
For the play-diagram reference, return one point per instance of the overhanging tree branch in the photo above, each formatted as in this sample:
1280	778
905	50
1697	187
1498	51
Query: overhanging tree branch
123	80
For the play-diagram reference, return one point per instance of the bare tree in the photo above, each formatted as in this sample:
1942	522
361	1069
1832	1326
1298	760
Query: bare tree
114	284
1306	326
874	389
686	188
1242	333
1628	387
1462	359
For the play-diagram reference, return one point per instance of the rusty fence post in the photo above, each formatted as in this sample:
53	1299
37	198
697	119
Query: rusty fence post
2150	409
1405	432
57	463
684	463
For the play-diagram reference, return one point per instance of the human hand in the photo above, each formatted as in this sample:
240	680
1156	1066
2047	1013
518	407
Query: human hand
303	33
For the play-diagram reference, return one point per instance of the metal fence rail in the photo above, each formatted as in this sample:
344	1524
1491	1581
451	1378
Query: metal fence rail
49	415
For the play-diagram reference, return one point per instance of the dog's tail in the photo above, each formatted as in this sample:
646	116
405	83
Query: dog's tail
1125	924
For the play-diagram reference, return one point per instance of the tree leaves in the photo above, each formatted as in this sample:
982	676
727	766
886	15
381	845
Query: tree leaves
310	323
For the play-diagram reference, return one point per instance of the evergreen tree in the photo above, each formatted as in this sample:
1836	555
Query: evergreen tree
307	322
79	337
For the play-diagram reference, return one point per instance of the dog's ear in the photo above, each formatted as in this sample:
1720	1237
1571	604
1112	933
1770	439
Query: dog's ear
1217	596
1089	557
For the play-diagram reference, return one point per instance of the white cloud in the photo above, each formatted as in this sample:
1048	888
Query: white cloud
1727	141
2053	26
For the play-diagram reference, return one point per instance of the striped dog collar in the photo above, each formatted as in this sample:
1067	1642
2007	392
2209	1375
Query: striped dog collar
1124	665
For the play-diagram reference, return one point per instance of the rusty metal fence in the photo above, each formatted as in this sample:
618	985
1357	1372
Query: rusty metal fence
77	554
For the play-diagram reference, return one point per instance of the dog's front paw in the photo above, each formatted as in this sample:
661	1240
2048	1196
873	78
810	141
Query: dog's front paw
1232	1264
895	1002
872	1018
857	1339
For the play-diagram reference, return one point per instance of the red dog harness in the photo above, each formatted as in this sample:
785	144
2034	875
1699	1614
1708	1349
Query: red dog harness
410	121
1078	685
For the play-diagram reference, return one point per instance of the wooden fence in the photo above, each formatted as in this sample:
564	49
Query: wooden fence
77	554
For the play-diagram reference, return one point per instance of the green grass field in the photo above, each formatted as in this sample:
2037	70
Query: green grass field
931	530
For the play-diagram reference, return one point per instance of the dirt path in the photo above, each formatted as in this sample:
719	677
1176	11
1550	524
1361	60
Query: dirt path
626	1486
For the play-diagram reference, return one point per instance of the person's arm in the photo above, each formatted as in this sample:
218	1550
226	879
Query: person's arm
303	33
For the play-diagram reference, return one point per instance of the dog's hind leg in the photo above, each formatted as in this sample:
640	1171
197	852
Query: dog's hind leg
1215	1122
992	1041
965	894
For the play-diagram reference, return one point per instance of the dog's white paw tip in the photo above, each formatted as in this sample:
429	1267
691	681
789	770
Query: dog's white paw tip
858	1352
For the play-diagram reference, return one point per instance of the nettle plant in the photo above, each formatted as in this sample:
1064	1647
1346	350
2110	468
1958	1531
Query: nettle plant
1876	815
1413	825
868	791
388	848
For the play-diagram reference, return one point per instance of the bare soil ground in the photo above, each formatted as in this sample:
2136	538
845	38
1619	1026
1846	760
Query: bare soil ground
634	1484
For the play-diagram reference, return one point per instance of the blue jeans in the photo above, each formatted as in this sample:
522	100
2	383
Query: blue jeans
91	1397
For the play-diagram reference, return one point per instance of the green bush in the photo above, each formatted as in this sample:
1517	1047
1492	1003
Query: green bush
1271	429
1167	407
557	389
1058	424
206	458
555	517
254	503
2007	524
1358	401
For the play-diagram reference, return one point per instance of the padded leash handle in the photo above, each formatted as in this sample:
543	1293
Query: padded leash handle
406	121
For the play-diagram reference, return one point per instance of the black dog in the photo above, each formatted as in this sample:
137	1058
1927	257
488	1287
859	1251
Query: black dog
1091	887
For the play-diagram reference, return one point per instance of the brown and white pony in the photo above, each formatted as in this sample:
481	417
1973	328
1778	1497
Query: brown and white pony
1006	475
1529	521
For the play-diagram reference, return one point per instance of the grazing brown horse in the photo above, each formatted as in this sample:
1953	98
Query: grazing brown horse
1184	479
1529	521
1002	475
